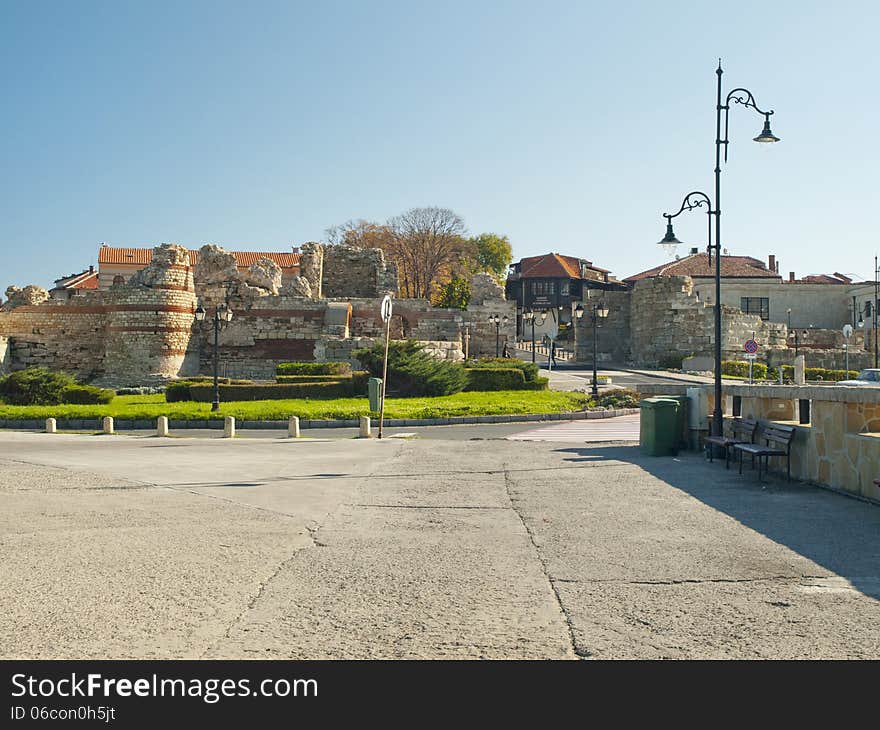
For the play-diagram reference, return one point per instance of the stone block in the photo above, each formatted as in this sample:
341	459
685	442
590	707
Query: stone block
162	426
107	424
51	425
229	427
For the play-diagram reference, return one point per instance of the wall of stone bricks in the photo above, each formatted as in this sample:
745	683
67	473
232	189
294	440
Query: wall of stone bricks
357	272
5	356
612	333
669	322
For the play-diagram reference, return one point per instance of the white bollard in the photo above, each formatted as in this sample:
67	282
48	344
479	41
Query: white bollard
51	425
365	427
293	427
229	427
162	426
108	424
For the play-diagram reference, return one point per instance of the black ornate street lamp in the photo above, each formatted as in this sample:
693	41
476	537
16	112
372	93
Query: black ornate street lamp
598	311
531	316
222	316
693	200
497	321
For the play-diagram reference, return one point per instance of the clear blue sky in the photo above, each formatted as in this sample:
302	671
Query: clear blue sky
567	126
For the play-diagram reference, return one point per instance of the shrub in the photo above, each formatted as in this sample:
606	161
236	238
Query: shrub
740	369
204	393
359	380
495	379
221	381
141	390
306	378
35	386
411	371
673	361
313	368
618	398
87	395
529	369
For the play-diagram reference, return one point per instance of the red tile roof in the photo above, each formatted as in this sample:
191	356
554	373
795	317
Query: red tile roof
824	279
143	256
84	280
554	265
697	265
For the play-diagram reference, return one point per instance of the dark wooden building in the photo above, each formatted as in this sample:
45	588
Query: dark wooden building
553	281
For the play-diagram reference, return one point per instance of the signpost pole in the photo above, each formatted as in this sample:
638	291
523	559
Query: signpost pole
386	315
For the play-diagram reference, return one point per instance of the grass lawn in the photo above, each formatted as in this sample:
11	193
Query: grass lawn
141	407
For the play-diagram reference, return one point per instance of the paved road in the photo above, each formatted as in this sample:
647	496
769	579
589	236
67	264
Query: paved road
144	547
599	430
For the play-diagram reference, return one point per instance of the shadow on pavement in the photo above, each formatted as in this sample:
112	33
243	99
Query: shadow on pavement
834	531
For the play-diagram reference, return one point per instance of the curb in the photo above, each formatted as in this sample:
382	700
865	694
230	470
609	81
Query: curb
90	424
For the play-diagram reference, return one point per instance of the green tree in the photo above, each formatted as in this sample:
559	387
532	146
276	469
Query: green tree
454	294
493	253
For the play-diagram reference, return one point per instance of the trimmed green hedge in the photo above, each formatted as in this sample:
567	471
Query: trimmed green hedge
313	368
762	372
740	369
529	369
41	386
87	395
222	381
486	378
273	391
307	378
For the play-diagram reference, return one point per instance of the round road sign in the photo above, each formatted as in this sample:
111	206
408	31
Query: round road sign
847	331
386	308
751	347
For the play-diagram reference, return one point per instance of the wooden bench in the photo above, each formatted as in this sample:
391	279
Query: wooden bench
744	430
778	440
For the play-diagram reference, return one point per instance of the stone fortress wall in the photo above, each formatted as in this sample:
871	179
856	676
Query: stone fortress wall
145	331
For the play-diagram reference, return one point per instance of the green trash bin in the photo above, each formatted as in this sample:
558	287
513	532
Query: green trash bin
374	391
658	434
681	420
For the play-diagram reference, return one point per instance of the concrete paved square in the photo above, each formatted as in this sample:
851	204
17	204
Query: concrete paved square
123	547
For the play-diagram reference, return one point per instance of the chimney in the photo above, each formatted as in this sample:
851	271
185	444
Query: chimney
771	263
791	277
91	269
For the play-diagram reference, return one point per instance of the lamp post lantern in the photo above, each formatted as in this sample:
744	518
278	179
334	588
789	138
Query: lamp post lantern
222	317
597	312
497	321
532	316
745	98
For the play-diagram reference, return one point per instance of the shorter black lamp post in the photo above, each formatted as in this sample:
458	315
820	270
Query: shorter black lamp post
599	311
531	316
222	317
795	336
497	321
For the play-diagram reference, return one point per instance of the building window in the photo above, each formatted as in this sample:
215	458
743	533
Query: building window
118	279
543	288
756	305
564	288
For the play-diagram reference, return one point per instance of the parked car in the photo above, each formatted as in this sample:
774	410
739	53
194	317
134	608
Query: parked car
871	376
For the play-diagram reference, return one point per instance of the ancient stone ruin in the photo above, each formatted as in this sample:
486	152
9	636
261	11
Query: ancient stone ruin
145	331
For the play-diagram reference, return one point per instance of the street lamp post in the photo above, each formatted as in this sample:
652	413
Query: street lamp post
497	321
693	200
531	316
597	312
222	316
